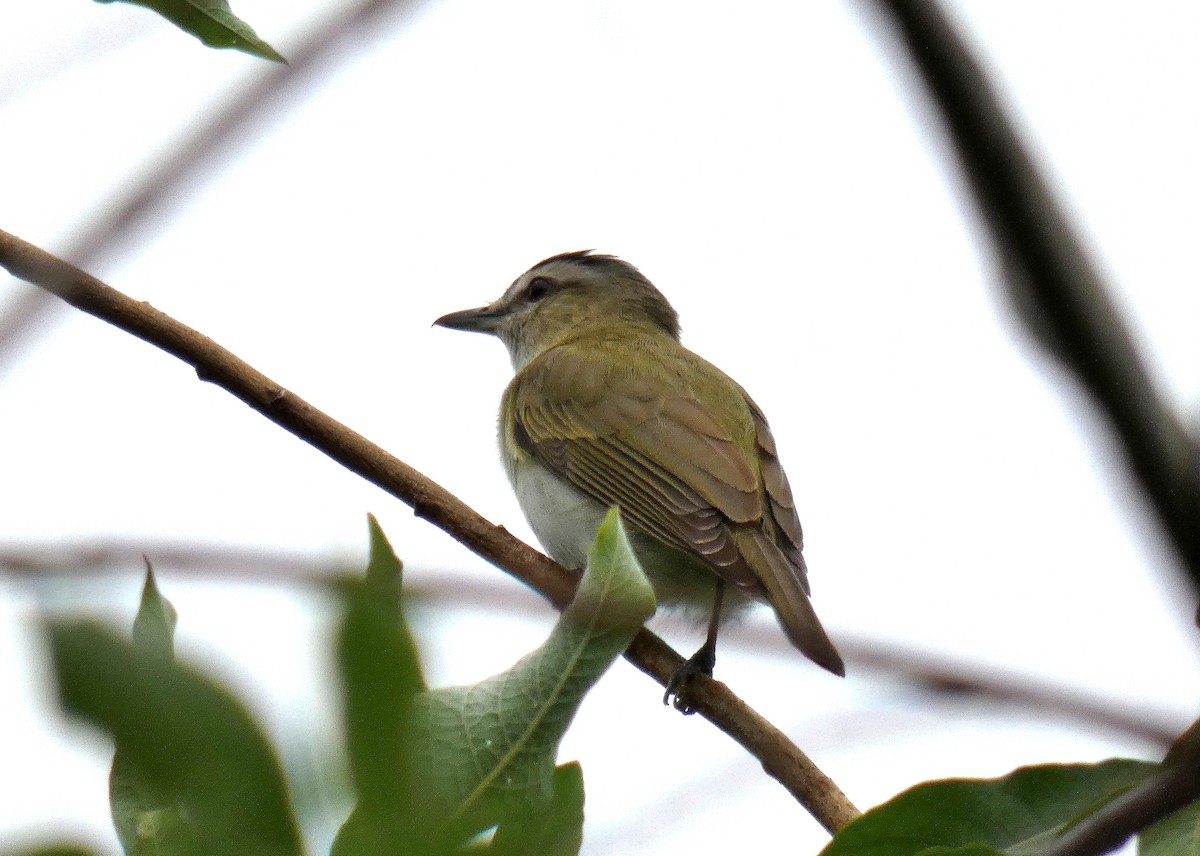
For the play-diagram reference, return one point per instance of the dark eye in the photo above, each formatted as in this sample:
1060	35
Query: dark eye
538	288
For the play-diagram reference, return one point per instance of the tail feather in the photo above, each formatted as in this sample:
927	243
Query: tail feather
784	583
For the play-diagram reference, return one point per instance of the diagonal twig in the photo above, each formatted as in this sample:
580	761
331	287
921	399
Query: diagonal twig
1062	299
777	754
1057	290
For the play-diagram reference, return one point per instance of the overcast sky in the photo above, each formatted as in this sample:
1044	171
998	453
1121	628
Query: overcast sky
774	171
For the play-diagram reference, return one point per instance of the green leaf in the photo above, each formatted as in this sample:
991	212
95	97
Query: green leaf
488	750
147	818
1016	814
556	831
384	569
212	22
57	850
154	625
1177	835
381	676
193	772
459	761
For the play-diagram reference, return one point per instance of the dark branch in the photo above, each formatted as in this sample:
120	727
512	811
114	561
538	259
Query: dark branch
1057	291
1061	298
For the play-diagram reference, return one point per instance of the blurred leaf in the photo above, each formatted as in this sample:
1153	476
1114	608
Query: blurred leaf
154	625
556	831
147	818
212	22
385	571
57	850
381	677
1017	814
1177	835
468	759
193	772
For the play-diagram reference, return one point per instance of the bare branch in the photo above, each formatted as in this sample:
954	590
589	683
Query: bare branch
778	755
1061	297
933	673
1058	292
942	674
116	556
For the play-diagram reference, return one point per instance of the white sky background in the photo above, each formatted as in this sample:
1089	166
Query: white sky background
773	172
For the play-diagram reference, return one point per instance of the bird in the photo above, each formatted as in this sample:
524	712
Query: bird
607	408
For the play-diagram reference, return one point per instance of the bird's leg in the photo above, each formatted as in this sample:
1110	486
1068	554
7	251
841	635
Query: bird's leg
700	663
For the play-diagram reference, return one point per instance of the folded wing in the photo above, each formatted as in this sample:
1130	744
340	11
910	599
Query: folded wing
639	438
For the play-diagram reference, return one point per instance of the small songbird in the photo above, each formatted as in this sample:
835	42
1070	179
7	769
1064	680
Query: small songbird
608	408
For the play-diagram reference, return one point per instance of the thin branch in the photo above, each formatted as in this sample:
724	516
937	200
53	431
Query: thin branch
1061	298
1058	292
778	755
928	672
129	213
116	556
944	675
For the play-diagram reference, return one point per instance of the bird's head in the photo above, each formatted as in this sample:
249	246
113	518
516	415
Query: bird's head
565	296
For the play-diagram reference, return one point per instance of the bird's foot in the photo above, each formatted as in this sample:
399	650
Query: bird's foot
700	663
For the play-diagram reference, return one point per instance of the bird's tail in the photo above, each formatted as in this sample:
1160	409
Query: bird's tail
785	590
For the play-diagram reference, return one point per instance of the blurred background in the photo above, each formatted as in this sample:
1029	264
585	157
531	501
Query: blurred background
975	545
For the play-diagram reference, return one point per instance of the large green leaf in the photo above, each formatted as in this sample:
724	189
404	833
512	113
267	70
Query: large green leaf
478	757
212	22
193	772
1017	814
1177	835
487	751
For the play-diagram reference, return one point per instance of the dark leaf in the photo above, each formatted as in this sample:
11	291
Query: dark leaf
1017	814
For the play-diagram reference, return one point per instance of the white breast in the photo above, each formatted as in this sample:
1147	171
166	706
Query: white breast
564	518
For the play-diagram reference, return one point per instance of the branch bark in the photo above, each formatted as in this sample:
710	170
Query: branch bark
1062	300
1058	293
779	757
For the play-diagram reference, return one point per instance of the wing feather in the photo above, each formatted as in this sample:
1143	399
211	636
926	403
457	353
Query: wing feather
639	438
779	494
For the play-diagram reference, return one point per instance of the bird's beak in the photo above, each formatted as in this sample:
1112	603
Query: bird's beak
481	320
